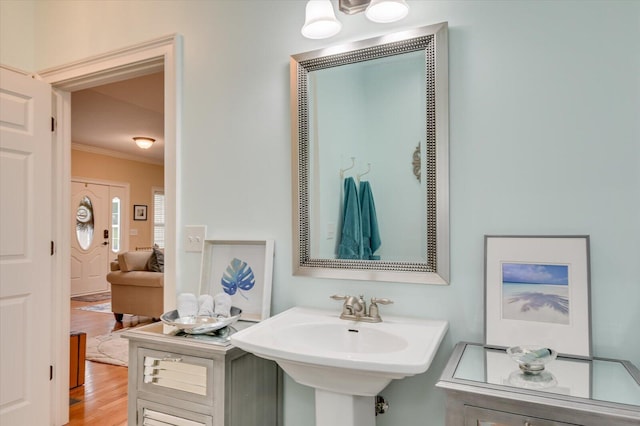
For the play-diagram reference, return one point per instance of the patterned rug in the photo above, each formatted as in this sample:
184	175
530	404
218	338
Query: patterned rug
108	349
98	297
103	308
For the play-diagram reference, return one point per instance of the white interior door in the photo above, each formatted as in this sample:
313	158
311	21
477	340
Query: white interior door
90	231
25	249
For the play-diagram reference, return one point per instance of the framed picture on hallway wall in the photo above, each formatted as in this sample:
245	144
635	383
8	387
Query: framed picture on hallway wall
241	269
139	212
537	293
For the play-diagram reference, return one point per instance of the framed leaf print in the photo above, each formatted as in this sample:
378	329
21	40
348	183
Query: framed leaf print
241	269
537	293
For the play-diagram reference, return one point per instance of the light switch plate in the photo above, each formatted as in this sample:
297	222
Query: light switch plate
194	237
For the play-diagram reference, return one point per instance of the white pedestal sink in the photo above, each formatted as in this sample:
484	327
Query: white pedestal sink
347	362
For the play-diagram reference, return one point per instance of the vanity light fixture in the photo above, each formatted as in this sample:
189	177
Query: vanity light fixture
143	142
320	19
385	11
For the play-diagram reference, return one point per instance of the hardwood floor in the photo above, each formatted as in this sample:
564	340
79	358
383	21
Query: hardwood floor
103	397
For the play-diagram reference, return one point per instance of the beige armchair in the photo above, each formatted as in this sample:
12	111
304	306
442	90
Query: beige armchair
134	288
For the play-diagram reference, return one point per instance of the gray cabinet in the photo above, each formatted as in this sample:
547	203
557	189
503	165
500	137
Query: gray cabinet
175	380
484	387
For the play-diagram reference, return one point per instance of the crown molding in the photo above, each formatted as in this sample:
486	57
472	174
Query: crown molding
116	154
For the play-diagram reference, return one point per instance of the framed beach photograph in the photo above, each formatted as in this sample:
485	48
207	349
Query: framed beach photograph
537	293
139	212
243	270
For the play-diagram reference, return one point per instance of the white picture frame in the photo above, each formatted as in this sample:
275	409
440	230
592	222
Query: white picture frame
537	293
237	261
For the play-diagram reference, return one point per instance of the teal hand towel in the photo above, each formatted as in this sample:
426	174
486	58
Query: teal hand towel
351	235
370	232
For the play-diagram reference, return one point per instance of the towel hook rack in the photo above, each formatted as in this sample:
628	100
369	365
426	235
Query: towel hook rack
368	170
353	164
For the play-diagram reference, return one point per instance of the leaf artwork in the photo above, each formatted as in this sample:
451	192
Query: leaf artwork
538	300
237	277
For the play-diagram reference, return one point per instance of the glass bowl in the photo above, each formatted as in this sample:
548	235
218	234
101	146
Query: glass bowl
531	359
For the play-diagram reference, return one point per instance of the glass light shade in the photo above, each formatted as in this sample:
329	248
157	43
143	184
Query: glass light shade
320	20
385	11
144	143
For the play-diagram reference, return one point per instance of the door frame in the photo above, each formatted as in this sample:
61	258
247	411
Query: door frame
164	53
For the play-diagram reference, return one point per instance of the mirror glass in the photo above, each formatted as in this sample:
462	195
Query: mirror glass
370	143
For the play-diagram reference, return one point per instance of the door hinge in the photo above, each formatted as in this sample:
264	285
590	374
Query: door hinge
53	248
50	372
53	124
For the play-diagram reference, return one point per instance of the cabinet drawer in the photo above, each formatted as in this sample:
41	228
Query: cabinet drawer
474	416
176	375
154	414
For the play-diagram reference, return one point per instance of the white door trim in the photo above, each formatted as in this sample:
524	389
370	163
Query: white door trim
118	65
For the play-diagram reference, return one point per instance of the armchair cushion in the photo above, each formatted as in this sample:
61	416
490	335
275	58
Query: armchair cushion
136	278
133	260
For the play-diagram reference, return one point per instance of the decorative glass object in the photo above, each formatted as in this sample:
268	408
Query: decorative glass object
84	223
531	359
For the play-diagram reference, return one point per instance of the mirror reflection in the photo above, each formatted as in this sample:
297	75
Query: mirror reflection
370	135
366	120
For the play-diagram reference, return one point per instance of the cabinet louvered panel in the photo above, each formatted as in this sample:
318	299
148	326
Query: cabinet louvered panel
156	418
177	375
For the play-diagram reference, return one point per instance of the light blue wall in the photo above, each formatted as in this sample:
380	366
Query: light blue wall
545	139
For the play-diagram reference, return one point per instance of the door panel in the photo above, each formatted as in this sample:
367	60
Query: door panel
25	253
91	215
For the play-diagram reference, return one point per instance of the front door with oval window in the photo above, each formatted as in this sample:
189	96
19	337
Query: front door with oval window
90	251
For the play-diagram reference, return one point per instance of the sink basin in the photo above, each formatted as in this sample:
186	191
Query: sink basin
318	349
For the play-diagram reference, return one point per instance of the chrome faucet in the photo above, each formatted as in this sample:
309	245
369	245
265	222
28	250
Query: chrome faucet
351	306
355	308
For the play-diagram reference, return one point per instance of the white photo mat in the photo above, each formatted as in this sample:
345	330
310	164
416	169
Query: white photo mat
219	255
535	309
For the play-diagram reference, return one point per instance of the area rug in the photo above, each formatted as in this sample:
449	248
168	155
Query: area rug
98	297
103	308
108	349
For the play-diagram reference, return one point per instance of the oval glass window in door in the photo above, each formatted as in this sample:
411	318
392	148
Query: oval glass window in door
84	223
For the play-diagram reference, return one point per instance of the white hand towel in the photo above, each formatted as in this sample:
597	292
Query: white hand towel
187	305
205	305
222	303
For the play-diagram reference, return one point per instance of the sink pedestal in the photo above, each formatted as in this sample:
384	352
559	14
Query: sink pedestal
345	410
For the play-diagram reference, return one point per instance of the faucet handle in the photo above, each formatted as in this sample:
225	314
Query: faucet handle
337	297
374	313
381	301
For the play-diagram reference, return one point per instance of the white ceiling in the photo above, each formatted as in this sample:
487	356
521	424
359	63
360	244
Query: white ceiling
105	119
